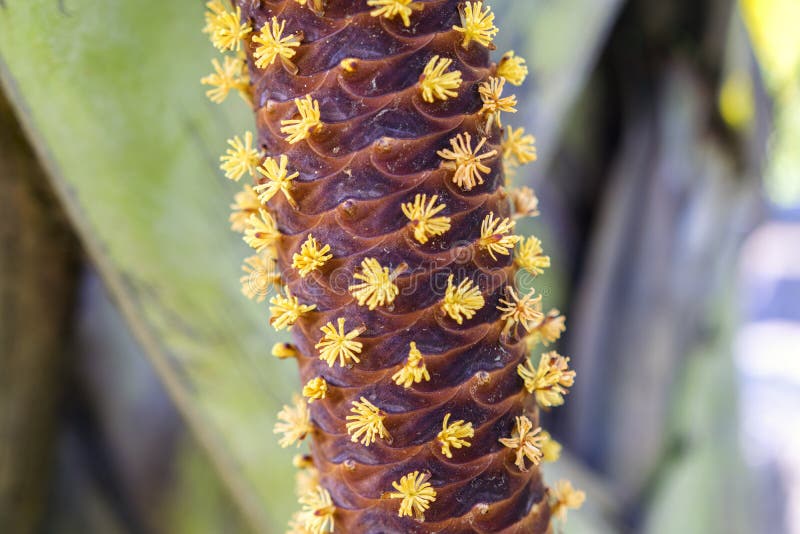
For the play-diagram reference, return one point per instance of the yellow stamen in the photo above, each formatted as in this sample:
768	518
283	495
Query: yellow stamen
225	28
551	449
550	380
524	202
299	129
512	68
422	217
414	370
465	161
391	8
260	273
377	287
518	148
525	311
273	44
303	461
294	423
287	310
311	256
417	494
317	6
306	480
315	389
548	330
564	497
278	180
454	434
465	299
283	351
318	511
261	231
245	204
494	102
477	24
530	256
435	83
367	423
231	75
495	236
240	158
335	344
526	441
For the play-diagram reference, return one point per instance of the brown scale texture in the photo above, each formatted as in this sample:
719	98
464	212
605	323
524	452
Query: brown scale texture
376	150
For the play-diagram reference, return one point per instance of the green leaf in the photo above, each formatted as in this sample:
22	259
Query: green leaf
109	94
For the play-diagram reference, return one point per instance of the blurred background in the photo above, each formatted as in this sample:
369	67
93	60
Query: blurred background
137	393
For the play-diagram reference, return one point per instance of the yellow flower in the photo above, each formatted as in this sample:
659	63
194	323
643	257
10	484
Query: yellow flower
240	158
391	8
423	219
231	75
315	389
278	179
548	330
317	6
414	370
564	497
526	441
366	423
551	449
287	310
417	494
512	68
550	380
294	423
272	44
245	204
311	256
436	83
377	284
453	435
283	351
525	311
465	161
261	231
524	202
318	511
465	299
335	344
477	24
299	129
306	480
225	28
260	273
495	238
529	256
494	103
518	148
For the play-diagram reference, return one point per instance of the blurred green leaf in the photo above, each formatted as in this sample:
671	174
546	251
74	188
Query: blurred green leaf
109	94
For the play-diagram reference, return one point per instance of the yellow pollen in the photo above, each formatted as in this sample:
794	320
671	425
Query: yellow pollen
462	300
477	24
465	161
423	219
550	381
349	64
315	389
240	158
524	202
366	423
225	28
512	68
283	351
496	237
494	103
551	449
525	311
299	129
435	83
287	310
272	44
454	434
335	344
526	441
262	231
294	423
317	6
414	370
530	256
417	494
311	256
278	180
377	287
260	273
518	148
303	461
318	511
564	497
231	75
391	8
548	331
245	204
